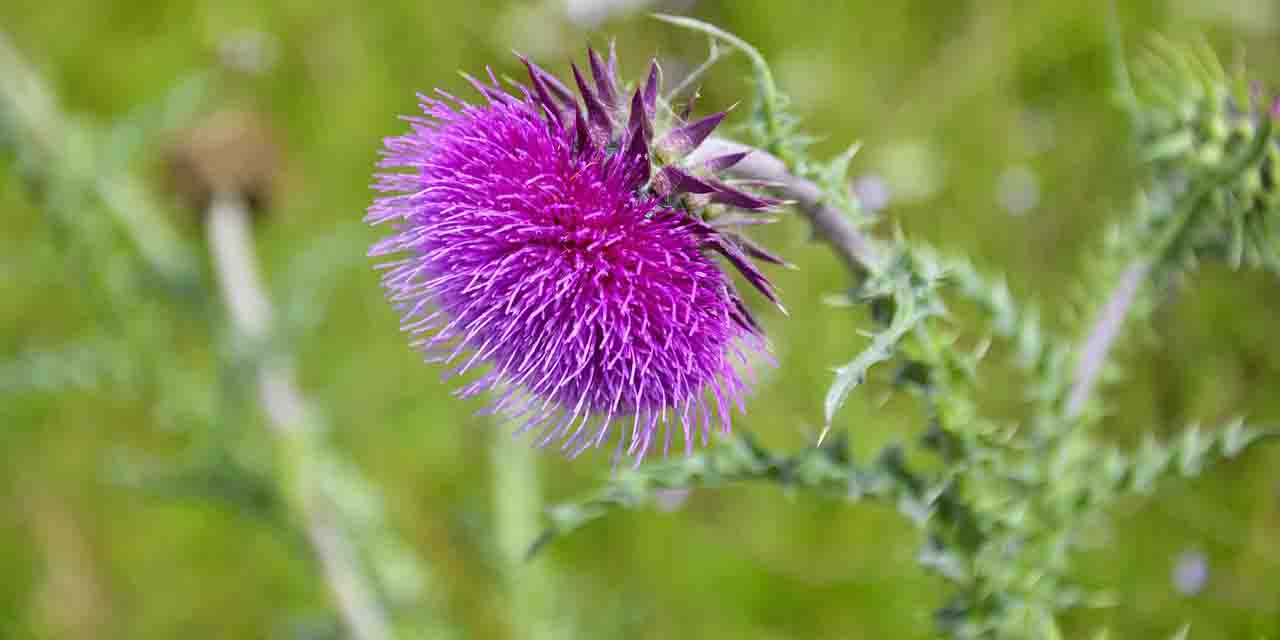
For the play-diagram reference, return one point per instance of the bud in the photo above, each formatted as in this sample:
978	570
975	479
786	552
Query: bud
232	153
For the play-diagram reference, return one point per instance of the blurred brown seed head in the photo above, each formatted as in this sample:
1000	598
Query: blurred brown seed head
230	152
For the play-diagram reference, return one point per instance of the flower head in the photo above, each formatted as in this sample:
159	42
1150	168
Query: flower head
564	245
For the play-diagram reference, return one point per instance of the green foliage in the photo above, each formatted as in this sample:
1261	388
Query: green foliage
902	297
1007	510
1007	503
772	126
124	249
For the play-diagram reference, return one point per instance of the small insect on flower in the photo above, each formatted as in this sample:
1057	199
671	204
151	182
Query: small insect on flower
566	246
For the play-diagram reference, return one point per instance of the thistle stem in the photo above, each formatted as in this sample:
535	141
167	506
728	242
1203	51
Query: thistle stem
1098	342
64	151
856	250
289	418
859	254
517	514
1102	335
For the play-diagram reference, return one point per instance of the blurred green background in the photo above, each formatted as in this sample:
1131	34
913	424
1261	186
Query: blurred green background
987	125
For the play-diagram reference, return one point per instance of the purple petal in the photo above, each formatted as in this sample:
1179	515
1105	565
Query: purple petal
638	122
557	88
651	88
601	126
582	140
674	181
540	90
637	153
727	195
743	316
756	251
720	163
749	271
685	139
604	81
494	94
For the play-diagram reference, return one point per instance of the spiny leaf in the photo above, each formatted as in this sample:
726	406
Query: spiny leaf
1189	454
214	476
1007	319
824	469
87	364
907	314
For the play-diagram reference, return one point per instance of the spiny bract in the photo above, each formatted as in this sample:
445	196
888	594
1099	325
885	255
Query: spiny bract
565	248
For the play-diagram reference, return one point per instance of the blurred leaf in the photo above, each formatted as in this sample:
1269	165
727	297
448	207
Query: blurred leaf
213	476
90	364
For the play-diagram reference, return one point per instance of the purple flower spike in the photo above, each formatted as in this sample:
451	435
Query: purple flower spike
561	92
673	180
606	83
651	88
687	138
546	247
720	163
597	116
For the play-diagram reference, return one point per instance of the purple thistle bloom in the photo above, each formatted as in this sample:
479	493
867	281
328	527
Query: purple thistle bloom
565	249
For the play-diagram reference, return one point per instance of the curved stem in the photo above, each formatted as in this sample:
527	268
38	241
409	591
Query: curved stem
1102	334
856	250
290	420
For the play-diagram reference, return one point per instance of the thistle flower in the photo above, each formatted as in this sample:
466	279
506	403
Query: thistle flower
569	248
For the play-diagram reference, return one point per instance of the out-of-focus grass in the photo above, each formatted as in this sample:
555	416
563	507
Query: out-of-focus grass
974	89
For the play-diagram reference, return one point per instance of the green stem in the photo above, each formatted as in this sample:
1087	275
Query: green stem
292	423
517	513
1096	346
769	106
32	111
